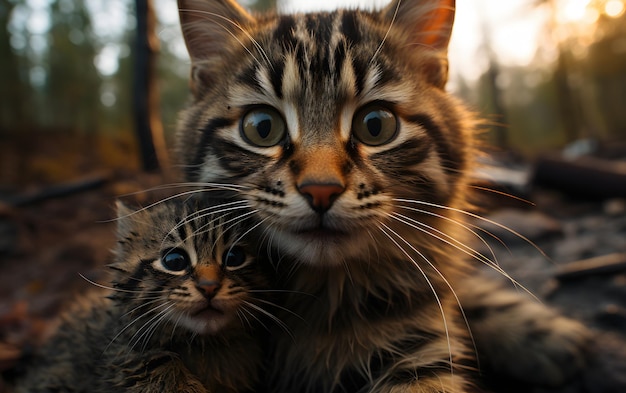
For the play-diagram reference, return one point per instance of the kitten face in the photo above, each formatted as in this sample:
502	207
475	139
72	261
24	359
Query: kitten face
327	121
182	263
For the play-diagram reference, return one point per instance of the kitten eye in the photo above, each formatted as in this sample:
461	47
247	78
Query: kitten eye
374	125
175	260
263	127
234	257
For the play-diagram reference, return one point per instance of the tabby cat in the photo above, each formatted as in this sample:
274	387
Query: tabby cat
178	317
335	128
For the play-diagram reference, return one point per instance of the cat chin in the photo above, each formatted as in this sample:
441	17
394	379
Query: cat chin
318	248
207	322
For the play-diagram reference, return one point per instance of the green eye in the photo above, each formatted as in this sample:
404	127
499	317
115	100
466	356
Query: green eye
374	125
263	127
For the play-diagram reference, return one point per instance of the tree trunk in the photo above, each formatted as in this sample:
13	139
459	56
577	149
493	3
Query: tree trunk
148	124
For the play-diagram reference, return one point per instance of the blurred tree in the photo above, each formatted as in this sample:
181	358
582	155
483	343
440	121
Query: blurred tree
264	5
605	66
13	89
148	126
72	87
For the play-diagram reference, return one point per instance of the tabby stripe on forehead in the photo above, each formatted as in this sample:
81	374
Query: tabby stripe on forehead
446	152
360	71
350	27
320	28
249	77
182	230
207	137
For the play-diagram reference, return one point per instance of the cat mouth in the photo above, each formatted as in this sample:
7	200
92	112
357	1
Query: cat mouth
321	233
209	313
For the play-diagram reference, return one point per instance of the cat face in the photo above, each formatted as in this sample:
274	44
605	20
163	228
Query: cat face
334	127
187	265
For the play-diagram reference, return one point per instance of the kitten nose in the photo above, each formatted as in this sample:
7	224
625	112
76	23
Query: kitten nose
208	287
321	195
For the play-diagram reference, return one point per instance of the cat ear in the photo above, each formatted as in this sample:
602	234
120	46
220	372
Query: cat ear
427	24
208	25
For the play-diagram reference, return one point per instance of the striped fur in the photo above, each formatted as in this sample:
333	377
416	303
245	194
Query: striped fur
365	226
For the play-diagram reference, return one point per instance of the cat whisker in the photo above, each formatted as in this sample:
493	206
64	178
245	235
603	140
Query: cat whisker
441	236
150	206
502	193
382	42
428	282
461	224
200	185
493	264
448	284
476	216
202	213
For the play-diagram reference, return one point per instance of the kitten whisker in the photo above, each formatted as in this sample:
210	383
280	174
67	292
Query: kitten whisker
146	327
271	316
114	288
128	325
269	303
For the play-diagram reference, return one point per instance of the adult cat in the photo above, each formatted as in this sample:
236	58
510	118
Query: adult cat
336	129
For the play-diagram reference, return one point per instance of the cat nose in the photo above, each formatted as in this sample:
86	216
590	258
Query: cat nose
208	287
321	195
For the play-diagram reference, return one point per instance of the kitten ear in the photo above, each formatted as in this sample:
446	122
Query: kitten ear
208	26
428	24
124	218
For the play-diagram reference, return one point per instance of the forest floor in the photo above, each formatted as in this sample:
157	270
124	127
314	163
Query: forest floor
572	257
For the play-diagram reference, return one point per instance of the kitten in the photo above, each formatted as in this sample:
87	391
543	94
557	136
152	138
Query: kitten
185	294
335	128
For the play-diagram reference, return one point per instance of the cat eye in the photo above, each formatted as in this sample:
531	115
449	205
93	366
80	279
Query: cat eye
263	127
374	125
234	257
175	260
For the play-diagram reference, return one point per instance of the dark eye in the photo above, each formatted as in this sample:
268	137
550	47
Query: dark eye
175	260
263	127
234	257
374	125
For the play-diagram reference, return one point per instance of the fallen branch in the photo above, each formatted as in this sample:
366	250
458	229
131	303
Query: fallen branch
606	264
57	191
584	177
